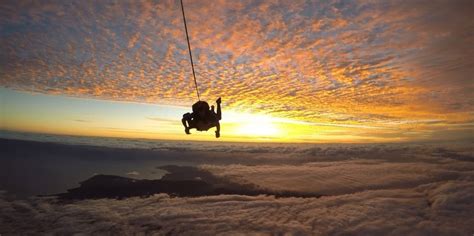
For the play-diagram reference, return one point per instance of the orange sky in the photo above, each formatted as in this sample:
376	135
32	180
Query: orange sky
359	71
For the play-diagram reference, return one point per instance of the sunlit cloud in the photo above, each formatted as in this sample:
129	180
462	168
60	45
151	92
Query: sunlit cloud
397	65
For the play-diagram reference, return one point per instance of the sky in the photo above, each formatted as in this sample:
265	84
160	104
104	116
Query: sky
293	71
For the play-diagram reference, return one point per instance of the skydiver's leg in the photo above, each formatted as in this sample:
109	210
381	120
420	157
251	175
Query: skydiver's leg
218	130
219	113
186	122
186	128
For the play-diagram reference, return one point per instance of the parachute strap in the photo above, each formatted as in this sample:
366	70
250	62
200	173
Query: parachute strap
189	47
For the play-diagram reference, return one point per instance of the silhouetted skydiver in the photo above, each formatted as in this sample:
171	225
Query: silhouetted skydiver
202	118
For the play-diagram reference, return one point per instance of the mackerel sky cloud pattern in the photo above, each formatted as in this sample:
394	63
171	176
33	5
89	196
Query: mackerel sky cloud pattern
394	64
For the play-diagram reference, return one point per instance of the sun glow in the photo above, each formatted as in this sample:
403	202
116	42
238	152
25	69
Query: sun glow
259	128
254	125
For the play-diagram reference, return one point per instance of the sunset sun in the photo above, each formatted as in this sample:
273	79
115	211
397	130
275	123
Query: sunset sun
258	128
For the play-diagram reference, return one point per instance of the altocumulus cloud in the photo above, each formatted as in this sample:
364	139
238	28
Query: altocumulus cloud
320	61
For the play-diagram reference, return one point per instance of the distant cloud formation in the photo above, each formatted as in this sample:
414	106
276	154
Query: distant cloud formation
367	190
440	208
393	64
133	173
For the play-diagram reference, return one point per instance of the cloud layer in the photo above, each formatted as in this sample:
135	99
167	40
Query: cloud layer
367	190
432	209
402	64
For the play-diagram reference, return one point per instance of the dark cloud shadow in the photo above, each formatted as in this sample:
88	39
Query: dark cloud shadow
180	181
